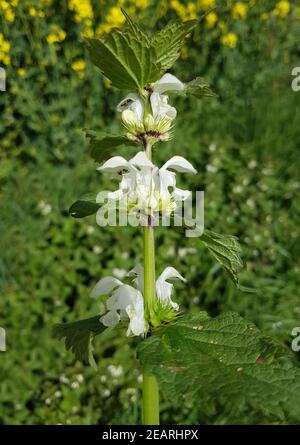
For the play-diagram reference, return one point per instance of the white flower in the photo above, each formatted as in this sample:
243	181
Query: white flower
168	82
2	340
146	189
156	125
124	302
160	107
132	103
44	208
115	371
164	289
127	301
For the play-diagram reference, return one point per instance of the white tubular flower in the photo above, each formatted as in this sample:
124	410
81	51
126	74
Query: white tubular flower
132	103
168	82
159	102
105	286
138	277
147	190
124	302
179	164
132	109
115	165
2	340
160	107
168	178
164	289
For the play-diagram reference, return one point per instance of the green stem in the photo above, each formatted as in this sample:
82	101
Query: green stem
150	387
149	272
150	400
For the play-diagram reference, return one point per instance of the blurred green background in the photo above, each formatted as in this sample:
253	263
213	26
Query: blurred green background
245	145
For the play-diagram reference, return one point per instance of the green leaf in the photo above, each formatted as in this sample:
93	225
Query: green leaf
135	28
78	337
85	206
101	144
198	88
223	358
226	249
125	59
169	41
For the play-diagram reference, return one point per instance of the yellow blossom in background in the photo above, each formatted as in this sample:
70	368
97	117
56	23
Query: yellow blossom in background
78	65
5	58
5	47
4	5
7	8
230	39
83	13
206	4
115	17
4	50
142	4
282	8
9	15
190	11
58	35
21	72
35	13
264	16
82	9
239	11
211	19
184	12
32	11
178	7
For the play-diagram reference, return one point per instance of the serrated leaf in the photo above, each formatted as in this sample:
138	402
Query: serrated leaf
224	357
198	88
102	144
78	337
124	59
169	41
85	206
226	249
135	28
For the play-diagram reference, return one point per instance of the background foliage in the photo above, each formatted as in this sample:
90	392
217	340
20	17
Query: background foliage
245	145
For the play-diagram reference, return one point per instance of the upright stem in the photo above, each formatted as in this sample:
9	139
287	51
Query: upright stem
150	387
150	400
149	271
